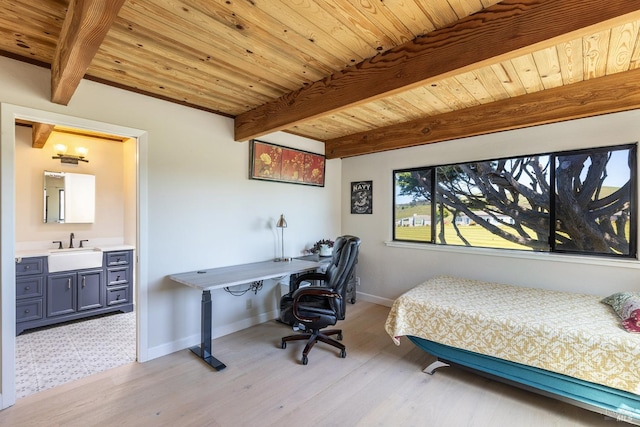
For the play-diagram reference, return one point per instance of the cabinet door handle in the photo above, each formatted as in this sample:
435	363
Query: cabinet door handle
84	279
26	288
69	283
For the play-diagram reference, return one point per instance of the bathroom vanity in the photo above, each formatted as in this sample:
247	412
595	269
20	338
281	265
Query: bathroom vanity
46	297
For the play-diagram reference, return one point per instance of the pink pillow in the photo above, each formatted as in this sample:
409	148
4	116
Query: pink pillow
632	323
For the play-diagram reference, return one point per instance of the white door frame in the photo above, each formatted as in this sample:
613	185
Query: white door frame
8	115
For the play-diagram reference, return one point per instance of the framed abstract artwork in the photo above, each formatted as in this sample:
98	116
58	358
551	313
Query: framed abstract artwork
272	162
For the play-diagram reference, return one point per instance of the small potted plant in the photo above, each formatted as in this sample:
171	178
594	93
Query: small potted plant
322	247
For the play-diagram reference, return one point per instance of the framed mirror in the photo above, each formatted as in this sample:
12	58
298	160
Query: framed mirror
69	198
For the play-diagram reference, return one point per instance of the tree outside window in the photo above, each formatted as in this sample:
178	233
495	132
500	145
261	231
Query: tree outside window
508	203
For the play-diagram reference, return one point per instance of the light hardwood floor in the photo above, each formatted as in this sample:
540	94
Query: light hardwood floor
377	384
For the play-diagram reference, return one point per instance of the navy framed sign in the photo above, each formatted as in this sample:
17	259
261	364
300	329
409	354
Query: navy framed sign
362	197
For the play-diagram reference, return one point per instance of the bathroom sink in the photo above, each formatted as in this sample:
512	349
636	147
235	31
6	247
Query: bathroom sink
74	259
56	251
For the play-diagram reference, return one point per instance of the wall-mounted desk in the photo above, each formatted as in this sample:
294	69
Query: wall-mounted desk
222	277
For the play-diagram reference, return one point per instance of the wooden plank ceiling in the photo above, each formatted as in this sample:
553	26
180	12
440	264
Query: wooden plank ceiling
363	76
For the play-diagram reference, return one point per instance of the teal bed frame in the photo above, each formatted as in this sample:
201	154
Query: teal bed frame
614	403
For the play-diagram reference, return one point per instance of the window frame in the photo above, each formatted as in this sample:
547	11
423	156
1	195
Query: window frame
552	248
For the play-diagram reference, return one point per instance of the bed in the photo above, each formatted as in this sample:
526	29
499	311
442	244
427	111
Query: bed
566	345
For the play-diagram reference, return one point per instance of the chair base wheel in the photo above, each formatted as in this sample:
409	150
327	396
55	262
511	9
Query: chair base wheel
314	336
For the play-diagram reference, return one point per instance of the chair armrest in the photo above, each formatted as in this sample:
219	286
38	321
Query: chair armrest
312	291
318	291
307	276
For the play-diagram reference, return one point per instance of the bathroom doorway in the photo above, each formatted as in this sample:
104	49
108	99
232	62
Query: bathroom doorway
51	207
132	176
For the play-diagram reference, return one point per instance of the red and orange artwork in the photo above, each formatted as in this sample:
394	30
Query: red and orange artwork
292	165
276	163
267	161
313	169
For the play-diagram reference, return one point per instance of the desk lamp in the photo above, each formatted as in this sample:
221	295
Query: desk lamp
282	224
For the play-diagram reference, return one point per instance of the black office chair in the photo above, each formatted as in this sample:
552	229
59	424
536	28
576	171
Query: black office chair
316	307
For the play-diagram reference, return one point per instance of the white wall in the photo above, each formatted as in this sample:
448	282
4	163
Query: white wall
202	210
105	163
386	269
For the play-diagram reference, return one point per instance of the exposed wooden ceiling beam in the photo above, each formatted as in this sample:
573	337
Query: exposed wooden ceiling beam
497	33
609	94
85	27
40	134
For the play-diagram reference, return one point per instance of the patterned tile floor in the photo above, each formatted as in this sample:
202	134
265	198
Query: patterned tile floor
55	355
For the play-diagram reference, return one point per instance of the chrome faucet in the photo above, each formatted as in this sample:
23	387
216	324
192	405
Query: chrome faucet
71	240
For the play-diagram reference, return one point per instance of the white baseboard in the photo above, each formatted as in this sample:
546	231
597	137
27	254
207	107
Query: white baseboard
220	331
172	347
374	299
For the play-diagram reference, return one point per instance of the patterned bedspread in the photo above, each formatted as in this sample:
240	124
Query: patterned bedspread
567	333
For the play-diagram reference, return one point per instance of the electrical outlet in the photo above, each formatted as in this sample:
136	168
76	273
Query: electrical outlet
357	281
249	304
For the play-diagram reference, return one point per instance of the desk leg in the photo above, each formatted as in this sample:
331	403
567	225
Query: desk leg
203	351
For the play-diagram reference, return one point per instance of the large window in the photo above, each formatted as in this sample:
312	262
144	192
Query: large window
512	204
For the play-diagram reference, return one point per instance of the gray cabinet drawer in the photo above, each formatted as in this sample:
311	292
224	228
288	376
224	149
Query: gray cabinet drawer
29	310
114	259
29	287
28	266
117	276
117	295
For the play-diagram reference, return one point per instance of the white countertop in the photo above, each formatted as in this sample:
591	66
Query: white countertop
47	251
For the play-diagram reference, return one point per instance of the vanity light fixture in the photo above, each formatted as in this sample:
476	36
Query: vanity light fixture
61	153
282	224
